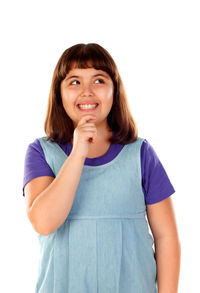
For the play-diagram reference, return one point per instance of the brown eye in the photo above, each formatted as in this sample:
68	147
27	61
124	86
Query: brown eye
74	81
101	80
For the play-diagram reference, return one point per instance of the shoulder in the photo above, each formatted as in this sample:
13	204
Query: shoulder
136	144
149	158
47	144
156	183
143	145
34	147
147	150
35	164
34	152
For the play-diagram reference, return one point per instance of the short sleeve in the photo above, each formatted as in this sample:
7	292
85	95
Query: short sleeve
35	164
155	181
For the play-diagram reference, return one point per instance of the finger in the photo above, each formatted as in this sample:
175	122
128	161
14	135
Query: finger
89	129
88	124
86	118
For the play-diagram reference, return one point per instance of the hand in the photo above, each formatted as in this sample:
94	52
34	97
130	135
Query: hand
84	134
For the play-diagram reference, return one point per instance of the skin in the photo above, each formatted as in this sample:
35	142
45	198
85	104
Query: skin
86	87
161	216
162	221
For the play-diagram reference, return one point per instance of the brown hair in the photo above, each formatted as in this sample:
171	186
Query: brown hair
58	125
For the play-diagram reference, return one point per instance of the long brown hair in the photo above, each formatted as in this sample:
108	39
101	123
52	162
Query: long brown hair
58	125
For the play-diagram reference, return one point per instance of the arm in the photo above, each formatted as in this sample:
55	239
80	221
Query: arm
162	222
49	201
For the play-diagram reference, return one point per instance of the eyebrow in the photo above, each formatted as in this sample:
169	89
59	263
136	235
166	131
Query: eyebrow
76	76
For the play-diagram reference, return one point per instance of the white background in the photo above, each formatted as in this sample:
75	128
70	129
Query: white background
155	45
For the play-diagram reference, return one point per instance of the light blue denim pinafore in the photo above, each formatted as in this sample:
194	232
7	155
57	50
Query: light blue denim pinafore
104	245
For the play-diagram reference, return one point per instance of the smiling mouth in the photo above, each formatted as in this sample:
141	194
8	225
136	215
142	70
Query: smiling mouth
91	107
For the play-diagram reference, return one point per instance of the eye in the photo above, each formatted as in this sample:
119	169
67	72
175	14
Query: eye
74	81
101	80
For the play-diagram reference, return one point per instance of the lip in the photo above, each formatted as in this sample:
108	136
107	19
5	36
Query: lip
87	103
87	110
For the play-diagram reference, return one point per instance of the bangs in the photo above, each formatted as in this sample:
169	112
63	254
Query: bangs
87	56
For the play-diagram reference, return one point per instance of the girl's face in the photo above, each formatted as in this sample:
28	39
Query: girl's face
87	86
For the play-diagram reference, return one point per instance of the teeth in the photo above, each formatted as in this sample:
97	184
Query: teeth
87	106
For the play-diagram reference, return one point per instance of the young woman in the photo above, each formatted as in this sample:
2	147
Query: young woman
90	183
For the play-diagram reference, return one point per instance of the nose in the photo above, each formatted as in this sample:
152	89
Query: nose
86	90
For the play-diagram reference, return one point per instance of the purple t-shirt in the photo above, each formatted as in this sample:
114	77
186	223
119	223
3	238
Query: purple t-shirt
155	182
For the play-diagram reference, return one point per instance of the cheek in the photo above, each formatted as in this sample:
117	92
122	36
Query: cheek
109	95
106	93
68	98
